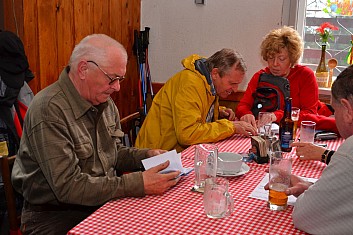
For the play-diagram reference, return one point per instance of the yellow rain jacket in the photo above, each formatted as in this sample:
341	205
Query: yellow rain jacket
177	117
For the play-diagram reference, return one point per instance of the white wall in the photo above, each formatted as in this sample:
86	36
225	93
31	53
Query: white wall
180	28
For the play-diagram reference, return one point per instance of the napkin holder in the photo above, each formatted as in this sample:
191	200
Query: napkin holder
259	149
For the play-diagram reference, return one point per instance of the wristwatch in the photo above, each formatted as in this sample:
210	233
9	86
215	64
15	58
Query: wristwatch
324	156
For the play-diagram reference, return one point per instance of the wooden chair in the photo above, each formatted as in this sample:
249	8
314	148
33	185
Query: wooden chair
14	218
130	125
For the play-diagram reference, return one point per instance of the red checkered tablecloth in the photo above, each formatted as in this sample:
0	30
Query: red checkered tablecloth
180	211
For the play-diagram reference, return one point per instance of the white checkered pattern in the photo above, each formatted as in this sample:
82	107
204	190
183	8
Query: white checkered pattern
180	211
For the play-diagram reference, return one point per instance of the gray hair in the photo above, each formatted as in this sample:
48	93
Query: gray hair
342	87
224	60
95	47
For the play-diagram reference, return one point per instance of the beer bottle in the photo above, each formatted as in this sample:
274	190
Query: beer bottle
286	127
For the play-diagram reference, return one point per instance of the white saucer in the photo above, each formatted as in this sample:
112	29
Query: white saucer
243	170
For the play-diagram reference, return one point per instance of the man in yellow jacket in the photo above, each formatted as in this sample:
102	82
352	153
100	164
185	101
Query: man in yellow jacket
186	110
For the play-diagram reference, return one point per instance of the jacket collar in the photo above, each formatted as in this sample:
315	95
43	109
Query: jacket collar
79	105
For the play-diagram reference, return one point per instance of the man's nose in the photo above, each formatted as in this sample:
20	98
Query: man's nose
116	86
235	88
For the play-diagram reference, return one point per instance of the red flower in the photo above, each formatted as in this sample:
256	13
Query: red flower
325	31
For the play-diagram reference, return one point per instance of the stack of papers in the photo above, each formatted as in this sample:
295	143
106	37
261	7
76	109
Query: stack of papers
174	159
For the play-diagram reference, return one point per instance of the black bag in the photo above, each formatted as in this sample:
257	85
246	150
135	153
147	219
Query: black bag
270	94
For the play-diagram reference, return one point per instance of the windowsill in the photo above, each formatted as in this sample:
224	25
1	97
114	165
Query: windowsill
324	91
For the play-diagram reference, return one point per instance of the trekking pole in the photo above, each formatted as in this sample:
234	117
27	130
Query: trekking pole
142	62
138	46
148	72
137	53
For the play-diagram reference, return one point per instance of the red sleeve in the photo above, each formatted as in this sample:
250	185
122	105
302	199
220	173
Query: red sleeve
246	103
304	90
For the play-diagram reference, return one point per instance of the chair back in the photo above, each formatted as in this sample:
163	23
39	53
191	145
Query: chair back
131	125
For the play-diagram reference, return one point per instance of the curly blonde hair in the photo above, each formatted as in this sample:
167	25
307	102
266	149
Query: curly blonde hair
285	37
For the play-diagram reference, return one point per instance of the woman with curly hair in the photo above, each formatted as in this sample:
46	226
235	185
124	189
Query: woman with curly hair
282	48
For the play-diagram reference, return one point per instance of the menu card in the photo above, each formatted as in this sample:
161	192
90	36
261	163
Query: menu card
174	159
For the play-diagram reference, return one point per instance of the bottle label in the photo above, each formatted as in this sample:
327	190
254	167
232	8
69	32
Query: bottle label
286	139
322	78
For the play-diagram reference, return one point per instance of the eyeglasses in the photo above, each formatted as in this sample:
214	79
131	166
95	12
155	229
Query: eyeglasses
112	80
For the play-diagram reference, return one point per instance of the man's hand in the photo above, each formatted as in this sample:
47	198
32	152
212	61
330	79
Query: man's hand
297	187
227	113
249	118
154	152
309	151
156	183
244	128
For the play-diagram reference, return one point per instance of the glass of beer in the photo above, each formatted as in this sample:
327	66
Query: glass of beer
279	181
295	118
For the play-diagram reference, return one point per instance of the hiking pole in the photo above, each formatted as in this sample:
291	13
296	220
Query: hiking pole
148	72
142	61
137	53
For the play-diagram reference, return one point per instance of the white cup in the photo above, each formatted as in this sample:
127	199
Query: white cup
217	201
229	162
307	131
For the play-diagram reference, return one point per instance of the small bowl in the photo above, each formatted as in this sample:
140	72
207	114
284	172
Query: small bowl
229	162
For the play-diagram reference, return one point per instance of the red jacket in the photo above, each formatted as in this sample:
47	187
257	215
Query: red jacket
303	91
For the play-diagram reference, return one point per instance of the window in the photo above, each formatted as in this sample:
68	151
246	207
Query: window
336	12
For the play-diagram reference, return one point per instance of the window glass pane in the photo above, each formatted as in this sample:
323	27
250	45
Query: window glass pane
339	14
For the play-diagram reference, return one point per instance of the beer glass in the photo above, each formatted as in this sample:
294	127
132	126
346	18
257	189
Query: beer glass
206	156
279	181
217	201
295	118
307	131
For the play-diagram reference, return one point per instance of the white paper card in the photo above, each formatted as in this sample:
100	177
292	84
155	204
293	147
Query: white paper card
174	159
260	193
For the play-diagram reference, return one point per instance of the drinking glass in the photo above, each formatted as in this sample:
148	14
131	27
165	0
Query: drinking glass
279	181
307	131
217	201
206	156
295	118
264	123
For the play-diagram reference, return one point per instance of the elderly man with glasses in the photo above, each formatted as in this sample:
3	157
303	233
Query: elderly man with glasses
70	148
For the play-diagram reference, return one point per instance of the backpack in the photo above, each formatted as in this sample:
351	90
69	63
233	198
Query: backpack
270	93
15	94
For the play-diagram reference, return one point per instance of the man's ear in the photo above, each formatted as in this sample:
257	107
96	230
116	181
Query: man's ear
82	69
214	74
348	111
